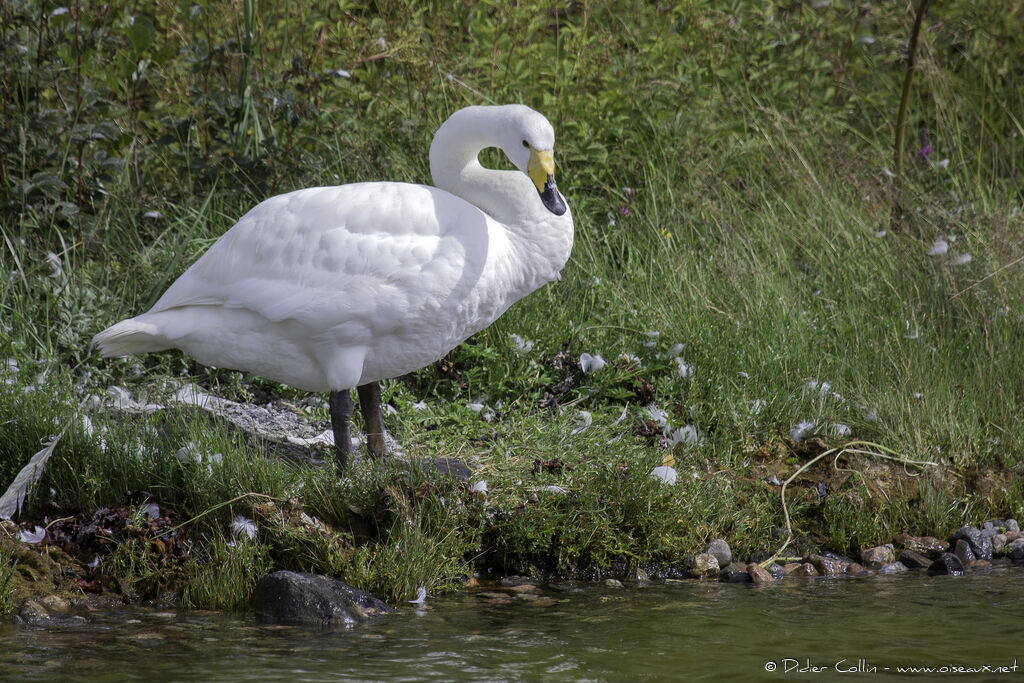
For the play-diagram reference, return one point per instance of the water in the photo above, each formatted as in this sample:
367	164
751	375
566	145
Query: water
675	631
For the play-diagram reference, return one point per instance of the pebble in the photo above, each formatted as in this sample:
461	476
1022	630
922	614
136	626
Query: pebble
1015	550
914	560
878	556
704	564
981	546
515	580
963	551
720	549
829	564
758	574
800	569
926	545
948	563
734	573
998	544
528	587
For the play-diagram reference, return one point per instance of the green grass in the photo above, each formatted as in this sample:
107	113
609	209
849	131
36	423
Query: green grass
752	142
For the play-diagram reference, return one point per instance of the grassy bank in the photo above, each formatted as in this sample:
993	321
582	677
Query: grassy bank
736	264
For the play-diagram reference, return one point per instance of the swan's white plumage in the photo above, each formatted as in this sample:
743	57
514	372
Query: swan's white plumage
328	288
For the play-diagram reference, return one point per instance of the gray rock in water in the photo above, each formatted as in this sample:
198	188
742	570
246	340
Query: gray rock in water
759	575
981	546
32	612
1011	525
720	549
1015	550
963	551
828	564
878	556
703	564
800	569
926	545
998	544
914	560
734	573
892	568
947	564
857	569
292	598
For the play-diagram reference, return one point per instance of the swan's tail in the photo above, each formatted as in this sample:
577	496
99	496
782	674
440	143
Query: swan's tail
129	337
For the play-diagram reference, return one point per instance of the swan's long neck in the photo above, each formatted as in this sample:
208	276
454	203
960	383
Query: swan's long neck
541	239
455	165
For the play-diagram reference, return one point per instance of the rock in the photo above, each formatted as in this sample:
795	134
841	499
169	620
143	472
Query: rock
981	546
286	597
856	568
978	564
641	577
55	603
776	570
720	549
892	568
991	528
704	564
800	569
758	574
1011	525
913	559
948	563
878	556
734	573
613	583
828	564
926	545
521	588
998	544
1012	536
1015	550
457	469
962	550
516	580
32	612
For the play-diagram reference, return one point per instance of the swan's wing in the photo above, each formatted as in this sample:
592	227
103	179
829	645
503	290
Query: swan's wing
357	260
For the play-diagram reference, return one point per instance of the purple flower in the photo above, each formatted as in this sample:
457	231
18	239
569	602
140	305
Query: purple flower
926	147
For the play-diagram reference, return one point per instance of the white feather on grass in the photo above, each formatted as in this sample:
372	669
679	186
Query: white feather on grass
14	498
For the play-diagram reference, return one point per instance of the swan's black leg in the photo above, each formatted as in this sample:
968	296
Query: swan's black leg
369	403
341	412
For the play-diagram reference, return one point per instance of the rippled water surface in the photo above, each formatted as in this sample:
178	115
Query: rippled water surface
664	632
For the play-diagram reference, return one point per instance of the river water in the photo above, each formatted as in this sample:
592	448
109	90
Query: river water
856	628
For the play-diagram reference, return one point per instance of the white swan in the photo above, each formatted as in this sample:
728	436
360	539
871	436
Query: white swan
330	288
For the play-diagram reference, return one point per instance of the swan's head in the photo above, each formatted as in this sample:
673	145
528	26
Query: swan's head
528	140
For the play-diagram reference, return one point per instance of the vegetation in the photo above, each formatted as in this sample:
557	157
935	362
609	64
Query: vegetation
734	264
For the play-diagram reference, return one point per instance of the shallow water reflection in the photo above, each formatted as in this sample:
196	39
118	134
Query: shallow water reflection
664	632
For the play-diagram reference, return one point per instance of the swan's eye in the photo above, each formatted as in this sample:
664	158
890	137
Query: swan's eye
525	143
